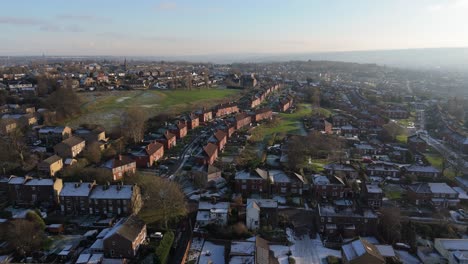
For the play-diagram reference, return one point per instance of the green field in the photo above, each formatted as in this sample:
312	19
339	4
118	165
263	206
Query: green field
105	108
286	123
435	159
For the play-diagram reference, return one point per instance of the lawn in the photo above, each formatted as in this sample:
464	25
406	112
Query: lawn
392	191
286	123
435	159
106	107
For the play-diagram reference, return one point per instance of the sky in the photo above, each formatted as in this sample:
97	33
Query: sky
210	27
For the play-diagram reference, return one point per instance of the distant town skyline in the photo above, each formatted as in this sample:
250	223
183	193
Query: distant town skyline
208	27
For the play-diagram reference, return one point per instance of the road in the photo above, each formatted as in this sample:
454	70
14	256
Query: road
186	152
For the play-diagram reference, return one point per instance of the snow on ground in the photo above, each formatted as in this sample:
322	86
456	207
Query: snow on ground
280	252
304	250
195	248
212	253
406	257
121	99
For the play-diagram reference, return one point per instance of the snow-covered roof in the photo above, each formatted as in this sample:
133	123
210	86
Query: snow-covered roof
112	192
204	206
242	248
453	244
16	180
54	130
279	176
372	188
339	167
417	168
330	210
76	189
103	233
98	245
462	195
40	182
441	187
386	250
264	203
320	180
83	258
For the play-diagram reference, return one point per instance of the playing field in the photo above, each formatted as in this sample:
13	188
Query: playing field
106	108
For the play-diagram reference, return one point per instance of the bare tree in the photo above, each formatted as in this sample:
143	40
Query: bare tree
133	124
18	145
64	101
390	224
164	199
93	152
26	235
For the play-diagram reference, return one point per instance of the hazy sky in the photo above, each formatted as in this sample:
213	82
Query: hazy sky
183	27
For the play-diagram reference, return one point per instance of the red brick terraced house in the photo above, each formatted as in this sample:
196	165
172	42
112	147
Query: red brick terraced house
120	166
74	197
241	120
204	115
169	140
113	200
146	156
329	188
209	154
439	195
286	183
262	114
219	138
179	129
225	109
125	238
252	182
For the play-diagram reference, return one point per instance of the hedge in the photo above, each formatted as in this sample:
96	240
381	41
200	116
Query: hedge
162	252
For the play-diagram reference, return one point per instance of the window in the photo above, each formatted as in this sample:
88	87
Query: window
329	219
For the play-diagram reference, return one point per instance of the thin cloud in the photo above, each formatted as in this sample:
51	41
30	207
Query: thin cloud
114	35
50	28
83	18
20	21
448	5
73	28
173	6
40	24
166	5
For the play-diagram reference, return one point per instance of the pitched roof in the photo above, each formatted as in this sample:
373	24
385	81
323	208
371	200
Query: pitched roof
210	149
360	247
118	162
72	141
52	159
82	189
220	135
128	228
153	148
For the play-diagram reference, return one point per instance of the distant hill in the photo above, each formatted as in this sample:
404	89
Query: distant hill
433	58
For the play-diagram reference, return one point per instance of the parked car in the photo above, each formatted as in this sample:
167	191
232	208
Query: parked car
157	235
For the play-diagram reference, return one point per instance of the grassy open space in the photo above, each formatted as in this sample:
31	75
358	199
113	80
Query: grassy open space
286	123
392	192
435	159
106	107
